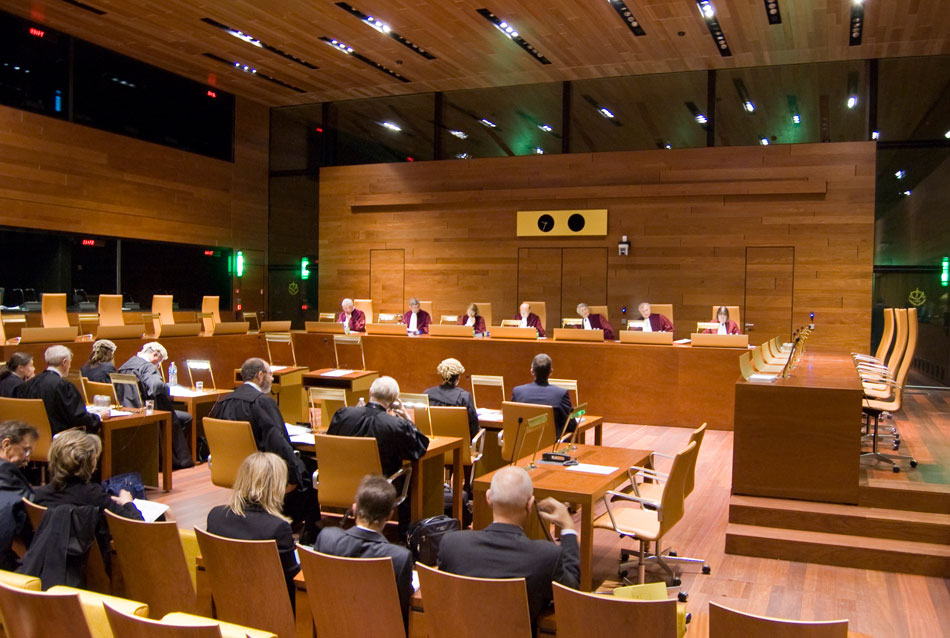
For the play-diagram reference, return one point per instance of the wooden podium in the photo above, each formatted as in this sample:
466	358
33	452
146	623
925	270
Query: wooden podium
355	382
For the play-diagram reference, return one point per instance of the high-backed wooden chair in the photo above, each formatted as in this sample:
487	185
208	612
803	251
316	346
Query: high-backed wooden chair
665	309
419	404
366	305
580	615
884	346
734	315
110	310
515	417
93	609
453	422
488	381
343	461
229	442
54	310
243	571
329	400
126	387
31	613
600	310
871	370
228	630
427	306
211	318
200	370
94	573
351	342
128	626
20	581
539	308
30	411
327	316
280	349
728	623
449	599
650	525
354	585
163	319
569	385
759	363
484	311
388	317
153	564
449	319
745	365
92	388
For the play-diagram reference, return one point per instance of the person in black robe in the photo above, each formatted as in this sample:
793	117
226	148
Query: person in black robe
65	407
451	395
251	401
144	366
16	444
18	370
101	362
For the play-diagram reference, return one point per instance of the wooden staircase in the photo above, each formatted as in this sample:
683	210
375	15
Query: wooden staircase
897	527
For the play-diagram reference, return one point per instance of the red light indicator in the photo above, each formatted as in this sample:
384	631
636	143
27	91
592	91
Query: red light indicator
37	33
410	159
89	242
240	307
304	307
209	253
318	130
212	93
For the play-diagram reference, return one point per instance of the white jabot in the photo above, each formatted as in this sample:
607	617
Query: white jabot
647	326
524	322
722	329
413	319
469	320
587	323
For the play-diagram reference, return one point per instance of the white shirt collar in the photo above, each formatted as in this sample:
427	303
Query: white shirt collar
253	385
56	370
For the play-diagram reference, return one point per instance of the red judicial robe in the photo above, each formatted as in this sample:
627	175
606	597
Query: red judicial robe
357	320
422	321
478	326
660	323
732	328
534	321
599	322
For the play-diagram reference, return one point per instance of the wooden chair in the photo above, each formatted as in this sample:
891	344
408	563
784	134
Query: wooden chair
871	370
600	310
484	311
580	615
449	599
745	365
248	316
665	309
281	343
488	381
419	404
31	614
128	626
327	316
884	346
343	461
93	608
20	581
92	388
242	571
453	421
759	363
110	310
567	384
126	388
539	308
385	317
153	564
163	319
199	367
31	411
427	306
514	419
97	579
366	305
54	310
210	316
448	319
348	341
329	400
355	586
229	442
728	623
650	525
228	630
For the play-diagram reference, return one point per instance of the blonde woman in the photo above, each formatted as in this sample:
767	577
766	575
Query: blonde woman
449	394
101	362
254	511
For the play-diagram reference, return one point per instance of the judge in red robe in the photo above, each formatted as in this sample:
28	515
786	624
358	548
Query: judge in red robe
352	317
528	319
658	322
726	325
418	324
595	321
473	319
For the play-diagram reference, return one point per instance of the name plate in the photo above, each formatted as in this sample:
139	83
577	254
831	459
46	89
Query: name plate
719	341
649	338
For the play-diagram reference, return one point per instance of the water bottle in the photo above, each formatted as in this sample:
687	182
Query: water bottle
172	373
360	403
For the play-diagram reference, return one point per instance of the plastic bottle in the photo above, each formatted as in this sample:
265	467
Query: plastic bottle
172	373
360	403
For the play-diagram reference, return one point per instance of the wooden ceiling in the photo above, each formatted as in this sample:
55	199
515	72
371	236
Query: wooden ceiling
582	39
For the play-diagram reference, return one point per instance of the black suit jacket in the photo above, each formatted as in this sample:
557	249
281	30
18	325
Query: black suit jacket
151	385
545	394
258	525
64	405
504	551
78	493
398	439
99	372
247	403
357	542
445	395
10	386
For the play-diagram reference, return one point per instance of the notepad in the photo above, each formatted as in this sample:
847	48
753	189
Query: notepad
590	468
150	509
337	373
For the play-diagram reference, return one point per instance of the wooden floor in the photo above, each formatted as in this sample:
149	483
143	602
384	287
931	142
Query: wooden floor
877	603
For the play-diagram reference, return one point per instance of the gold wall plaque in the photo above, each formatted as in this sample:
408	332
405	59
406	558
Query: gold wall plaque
562	223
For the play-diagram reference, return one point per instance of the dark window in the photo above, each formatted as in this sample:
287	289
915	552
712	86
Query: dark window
34	67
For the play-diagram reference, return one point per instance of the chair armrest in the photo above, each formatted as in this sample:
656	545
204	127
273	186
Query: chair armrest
629	497
406	471
477	448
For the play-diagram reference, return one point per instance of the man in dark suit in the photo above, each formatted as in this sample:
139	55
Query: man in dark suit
375	501
541	393
396	436
65	407
144	366
252	402
502	550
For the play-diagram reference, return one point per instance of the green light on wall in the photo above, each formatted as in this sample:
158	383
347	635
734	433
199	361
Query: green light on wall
304	268
239	264
945	272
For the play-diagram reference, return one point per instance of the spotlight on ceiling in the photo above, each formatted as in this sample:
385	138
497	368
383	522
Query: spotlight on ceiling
856	23
708	13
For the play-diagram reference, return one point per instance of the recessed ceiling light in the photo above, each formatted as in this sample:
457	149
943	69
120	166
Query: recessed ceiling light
900	174
606	112
391	126
459	134
463	155
258	43
708	14
545	127
512	34
348	50
252	71
772	12
906	193
744	95
856	23
877	134
487	123
385	29
627	16
764	141
698	115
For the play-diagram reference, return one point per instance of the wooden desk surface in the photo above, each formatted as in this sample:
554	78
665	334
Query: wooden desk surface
164	421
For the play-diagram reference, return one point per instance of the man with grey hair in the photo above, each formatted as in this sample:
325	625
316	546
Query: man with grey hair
416	320
351	317
384	418
65	407
594	321
144	365
252	402
503	550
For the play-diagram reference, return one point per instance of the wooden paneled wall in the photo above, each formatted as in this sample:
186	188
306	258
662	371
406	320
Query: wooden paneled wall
690	216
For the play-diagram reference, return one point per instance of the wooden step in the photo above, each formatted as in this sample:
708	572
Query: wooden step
904	495
922	527
842	550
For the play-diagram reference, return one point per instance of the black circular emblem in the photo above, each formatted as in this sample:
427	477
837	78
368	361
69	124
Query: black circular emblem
545	223
576	222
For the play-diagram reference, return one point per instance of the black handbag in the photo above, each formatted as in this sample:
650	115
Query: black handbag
425	536
131	482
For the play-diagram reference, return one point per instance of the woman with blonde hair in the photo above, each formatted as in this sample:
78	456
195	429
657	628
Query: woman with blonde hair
101	362
254	511
449	394
473	319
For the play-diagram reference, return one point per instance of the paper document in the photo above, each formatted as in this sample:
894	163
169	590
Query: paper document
114	412
150	509
278	368
299	434
415	580
183	391
682	341
590	468
336	373
487	414
762	377
296	429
